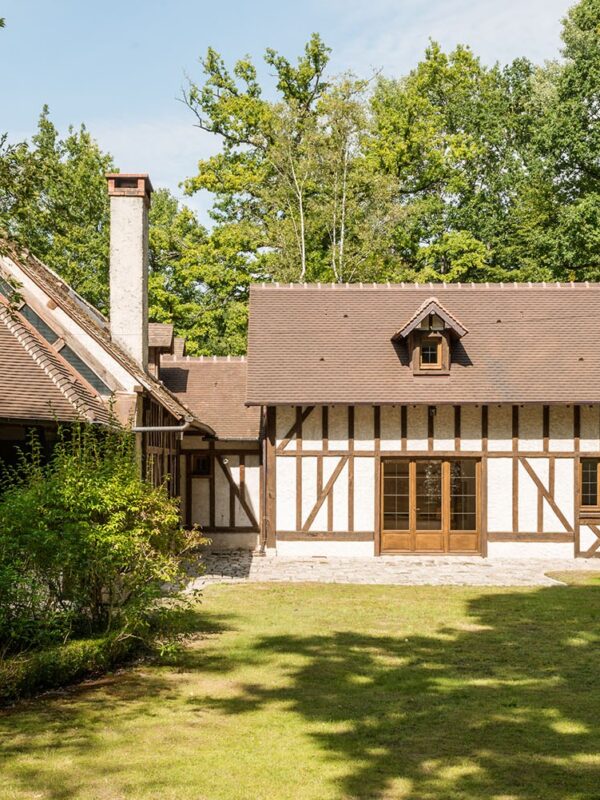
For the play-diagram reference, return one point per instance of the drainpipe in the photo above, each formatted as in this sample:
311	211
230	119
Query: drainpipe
162	428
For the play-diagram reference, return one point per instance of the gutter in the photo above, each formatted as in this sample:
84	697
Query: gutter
163	428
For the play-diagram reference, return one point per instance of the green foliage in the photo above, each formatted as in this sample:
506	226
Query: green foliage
53	667
456	171
197	282
53	200
85	543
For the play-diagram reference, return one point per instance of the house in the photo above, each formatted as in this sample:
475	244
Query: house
61	360
407	419
455	419
365	420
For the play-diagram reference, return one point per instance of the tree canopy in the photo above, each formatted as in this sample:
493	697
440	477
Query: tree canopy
458	171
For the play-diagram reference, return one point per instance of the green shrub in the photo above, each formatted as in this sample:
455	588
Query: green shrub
85	543
26	674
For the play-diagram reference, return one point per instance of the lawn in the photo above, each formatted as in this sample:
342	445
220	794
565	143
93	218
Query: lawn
330	692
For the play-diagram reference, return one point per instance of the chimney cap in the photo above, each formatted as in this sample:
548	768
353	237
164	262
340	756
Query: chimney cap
129	184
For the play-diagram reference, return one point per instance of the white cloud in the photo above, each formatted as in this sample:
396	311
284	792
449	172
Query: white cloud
168	149
391	35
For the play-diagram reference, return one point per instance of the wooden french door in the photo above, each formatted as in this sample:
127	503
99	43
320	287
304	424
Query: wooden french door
430	505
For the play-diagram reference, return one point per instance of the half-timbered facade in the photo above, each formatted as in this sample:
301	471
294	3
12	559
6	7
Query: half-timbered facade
428	419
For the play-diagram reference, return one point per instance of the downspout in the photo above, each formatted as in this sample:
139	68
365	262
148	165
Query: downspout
162	428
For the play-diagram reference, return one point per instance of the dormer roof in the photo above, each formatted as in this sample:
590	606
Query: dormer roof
431	306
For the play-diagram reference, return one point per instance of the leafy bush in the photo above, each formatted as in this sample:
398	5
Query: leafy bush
51	667
85	543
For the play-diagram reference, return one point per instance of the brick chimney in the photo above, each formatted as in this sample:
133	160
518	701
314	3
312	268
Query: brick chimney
129	206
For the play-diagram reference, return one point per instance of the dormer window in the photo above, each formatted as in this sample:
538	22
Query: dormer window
428	335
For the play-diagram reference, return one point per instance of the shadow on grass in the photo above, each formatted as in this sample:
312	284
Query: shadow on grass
506	706
65	722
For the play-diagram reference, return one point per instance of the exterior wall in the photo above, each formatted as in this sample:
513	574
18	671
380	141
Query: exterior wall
325	488
226	503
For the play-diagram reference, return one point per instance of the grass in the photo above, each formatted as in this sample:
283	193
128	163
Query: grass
331	692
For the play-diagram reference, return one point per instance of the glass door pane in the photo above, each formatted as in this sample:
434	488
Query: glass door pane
463	495
395	496
429	495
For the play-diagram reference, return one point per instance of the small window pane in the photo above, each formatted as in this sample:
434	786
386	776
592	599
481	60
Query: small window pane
83	369
589	482
38	323
201	466
463	495
429	495
430	353
395	496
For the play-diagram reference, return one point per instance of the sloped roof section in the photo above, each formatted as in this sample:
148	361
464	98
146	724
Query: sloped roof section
160	335
215	389
431	306
527	343
96	325
36	383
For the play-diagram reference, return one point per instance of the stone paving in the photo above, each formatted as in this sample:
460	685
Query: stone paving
240	566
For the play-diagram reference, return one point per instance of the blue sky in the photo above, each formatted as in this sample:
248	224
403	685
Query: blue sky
119	66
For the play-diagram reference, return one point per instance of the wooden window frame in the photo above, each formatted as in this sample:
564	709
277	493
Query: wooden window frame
417	339
446	497
437	342
582	506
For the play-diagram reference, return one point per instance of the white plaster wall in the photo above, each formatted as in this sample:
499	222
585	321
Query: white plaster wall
391	428
443	428
416	427
561	428
590	428
587	538
364	494
338	428
500	427
364	430
233	541
564	478
201	501
285	416
309	494
222	496
312	430
309	549
340	501
528	494
499	499
285	494
531	428
470	428
531	550
252	478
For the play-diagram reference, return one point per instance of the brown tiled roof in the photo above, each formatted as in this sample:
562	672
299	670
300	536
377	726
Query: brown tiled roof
160	334
96	325
36	383
332	344
215	388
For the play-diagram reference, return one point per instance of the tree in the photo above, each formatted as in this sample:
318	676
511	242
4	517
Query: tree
53	200
197	282
291	176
